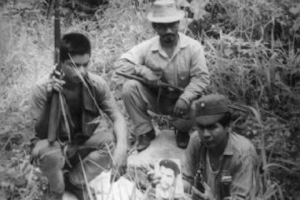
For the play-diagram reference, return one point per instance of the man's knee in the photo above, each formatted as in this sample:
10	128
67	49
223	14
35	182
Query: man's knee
48	157
100	159
93	164
100	138
130	87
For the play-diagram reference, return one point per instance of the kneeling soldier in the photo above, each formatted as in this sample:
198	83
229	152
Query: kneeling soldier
81	138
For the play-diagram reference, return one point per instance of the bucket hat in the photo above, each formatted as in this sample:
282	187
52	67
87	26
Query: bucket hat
165	11
210	109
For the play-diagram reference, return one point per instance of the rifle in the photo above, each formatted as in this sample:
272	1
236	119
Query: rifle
170	87
55	109
159	83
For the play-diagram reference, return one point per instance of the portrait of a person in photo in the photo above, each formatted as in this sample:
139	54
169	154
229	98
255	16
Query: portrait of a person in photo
170	184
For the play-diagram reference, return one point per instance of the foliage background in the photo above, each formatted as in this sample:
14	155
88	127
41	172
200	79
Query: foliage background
252	51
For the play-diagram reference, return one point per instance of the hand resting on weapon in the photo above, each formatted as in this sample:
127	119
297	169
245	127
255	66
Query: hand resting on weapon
150	76
55	83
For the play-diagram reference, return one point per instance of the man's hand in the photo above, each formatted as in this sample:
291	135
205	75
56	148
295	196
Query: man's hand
55	83
180	108
153	178
150	76
207	195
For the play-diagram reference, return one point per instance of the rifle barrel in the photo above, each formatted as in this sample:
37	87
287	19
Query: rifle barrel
55	112
165	85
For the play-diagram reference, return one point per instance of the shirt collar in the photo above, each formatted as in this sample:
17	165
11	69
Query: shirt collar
183	42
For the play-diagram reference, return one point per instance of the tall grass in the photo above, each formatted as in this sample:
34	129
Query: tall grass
243	66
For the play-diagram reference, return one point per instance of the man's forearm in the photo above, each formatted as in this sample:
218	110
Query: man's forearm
195	88
120	130
127	67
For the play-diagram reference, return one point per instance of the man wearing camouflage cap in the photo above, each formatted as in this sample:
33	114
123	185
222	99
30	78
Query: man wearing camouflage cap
223	161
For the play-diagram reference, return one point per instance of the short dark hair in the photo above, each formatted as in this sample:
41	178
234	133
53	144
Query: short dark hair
74	44
225	120
171	165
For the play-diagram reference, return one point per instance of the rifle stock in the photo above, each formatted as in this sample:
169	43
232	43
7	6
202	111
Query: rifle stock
55	110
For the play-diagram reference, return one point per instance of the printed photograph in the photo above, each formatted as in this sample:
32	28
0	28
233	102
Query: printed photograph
170	185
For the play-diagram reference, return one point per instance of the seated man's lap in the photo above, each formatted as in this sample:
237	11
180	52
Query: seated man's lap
92	165
95	155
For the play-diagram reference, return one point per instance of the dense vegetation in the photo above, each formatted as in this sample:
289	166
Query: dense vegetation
252	50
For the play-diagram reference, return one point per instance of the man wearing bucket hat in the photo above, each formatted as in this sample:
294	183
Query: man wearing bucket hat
218	163
170	57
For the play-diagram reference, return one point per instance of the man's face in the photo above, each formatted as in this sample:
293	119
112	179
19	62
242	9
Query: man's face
167	31
75	67
167	177
212	135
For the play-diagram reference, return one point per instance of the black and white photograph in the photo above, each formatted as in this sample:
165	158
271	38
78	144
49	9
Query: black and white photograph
170	185
149	99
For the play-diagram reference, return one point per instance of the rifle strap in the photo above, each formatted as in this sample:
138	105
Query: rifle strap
202	164
225	170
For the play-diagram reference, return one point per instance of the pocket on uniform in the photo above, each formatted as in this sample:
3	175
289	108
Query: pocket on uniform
183	78
183	75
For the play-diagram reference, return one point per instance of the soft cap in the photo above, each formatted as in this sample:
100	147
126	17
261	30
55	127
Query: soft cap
210	109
